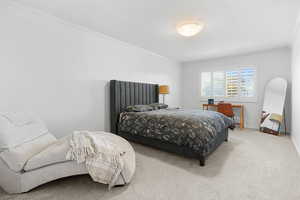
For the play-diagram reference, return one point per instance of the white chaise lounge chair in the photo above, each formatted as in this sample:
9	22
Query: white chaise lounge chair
31	156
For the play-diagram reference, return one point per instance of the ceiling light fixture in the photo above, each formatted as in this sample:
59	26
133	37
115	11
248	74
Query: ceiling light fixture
189	28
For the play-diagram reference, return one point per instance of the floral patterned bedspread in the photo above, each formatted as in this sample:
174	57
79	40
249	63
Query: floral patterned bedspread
193	128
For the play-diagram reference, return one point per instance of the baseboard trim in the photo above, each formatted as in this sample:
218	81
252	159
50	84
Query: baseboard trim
296	145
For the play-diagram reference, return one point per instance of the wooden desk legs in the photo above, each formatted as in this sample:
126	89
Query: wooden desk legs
242	117
240	107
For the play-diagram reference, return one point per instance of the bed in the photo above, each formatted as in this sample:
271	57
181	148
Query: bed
192	133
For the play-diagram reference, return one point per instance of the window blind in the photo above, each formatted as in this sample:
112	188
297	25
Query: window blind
206	84
247	78
218	84
232	83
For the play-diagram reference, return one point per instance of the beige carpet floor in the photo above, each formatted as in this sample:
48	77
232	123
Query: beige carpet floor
251	165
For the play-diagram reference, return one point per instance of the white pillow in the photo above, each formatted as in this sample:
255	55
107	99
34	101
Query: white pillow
18	128
17	157
55	153
18	118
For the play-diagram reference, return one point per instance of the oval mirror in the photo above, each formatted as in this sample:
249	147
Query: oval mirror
273	107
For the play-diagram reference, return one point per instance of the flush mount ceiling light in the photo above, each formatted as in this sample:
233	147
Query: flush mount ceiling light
189	28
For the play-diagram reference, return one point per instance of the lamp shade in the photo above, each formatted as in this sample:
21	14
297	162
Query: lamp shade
164	89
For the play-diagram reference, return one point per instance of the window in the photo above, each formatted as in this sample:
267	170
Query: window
232	84
218	84
247	82
206	84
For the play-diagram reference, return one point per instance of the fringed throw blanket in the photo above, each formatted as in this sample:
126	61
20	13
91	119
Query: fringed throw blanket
103	159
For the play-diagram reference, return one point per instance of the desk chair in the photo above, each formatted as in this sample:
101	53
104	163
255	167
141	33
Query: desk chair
226	109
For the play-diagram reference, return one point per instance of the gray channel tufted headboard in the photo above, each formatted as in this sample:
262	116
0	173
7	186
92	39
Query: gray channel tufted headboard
124	93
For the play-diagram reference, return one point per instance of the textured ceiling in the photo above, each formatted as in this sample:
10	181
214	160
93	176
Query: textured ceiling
232	26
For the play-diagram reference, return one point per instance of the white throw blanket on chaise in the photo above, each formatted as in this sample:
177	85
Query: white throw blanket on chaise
102	157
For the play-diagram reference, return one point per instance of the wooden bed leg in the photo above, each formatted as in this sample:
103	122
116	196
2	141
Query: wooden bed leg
202	161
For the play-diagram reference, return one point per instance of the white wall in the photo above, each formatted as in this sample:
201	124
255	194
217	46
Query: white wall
61	71
270	64
296	88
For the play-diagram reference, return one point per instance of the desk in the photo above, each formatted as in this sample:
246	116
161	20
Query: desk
239	106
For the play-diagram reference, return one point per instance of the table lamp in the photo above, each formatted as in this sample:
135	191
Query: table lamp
164	89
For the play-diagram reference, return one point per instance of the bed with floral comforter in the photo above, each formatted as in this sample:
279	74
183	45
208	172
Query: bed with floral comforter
195	129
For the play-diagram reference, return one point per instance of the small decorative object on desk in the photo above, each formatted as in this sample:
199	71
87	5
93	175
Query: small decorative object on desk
210	101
